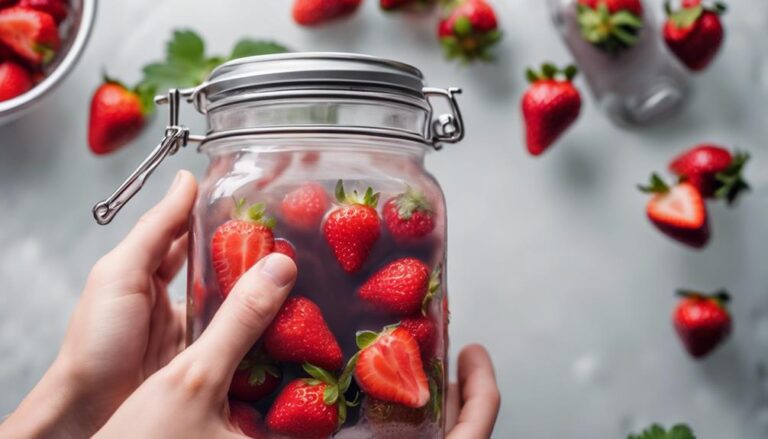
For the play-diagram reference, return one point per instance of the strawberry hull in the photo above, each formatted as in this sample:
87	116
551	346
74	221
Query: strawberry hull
321	277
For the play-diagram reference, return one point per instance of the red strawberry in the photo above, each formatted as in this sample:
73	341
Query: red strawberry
702	321
116	118
695	33
679	212
255	378
239	243
285	247
353	229
550	106
14	80
469	31
299	334
407	5
247	419
305	207
55	8
611	25
409	215
29	33
314	12
714	171
402	287
423	329
389	368
312	408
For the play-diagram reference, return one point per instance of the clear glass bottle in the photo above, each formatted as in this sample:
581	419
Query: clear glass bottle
285	132
635	85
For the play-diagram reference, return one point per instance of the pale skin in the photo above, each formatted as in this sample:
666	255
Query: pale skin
123	370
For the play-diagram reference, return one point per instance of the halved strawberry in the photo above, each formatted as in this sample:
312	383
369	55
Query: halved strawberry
239	243
31	34
56	8
255	378
389	367
678	211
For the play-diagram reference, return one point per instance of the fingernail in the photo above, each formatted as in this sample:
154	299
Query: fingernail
175	183
279	269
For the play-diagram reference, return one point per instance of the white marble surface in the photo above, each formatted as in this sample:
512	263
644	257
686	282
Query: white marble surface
552	263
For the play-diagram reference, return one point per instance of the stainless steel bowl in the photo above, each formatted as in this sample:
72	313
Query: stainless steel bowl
80	24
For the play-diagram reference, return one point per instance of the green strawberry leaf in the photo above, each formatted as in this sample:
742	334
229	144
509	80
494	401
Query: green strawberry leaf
365	338
186	47
656	186
686	17
319	374
163	75
657	432
248	47
257	376
146	93
330	395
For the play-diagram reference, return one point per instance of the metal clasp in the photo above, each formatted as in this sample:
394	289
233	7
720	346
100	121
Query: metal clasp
176	137
447	128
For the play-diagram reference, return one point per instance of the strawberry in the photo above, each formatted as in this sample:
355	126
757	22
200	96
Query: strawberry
389	367
702	321
402	287
715	171
30	34
55	8
255	378
611	25
469	31
247	419
315	12
14	80
116	118
424	331
285	247
311	408
299	334
679	212
239	243
550	106
353	229
304	208
694	33
407	5
409	215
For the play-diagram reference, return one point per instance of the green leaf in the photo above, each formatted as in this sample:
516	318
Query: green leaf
186	47
164	75
365	338
462	27
248	47
570	72
257	376
341	196
657	432
531	75
686	17
626	18
319	374
656	186
330	395
146	93
549	70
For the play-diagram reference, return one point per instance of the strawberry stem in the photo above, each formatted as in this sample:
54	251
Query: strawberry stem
369	198
550	72
723	297
656	186
731	180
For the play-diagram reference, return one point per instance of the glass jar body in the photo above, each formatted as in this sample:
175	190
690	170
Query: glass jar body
268	171
636	86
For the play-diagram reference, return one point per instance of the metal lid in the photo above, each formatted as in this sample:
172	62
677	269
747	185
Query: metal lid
311	69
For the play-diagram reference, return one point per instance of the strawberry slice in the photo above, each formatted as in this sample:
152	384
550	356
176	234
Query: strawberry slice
389	367
31	34
678	211
239	243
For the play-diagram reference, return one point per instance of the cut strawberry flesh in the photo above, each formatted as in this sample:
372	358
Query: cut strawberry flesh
31	34
681	207
236	247
391	370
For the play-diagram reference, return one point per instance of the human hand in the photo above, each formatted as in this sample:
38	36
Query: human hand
473	402
188	397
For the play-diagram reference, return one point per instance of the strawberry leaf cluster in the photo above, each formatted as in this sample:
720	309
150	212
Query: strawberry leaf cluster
658	432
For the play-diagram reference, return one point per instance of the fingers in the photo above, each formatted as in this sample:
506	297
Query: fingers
147	244
245	314
174	260
479	395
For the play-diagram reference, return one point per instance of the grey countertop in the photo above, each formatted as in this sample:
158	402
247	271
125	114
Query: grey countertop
553	264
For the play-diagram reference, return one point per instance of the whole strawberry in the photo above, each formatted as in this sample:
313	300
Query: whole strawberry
304	207
402	287
311	408
409	216
247	419
424	331
300	334
285	247
695	33
550	106
30	34
679	211
407	5
315	12
353	229
255	378
469	31
715	171
611	25
116	118
702	321
238	244
14	80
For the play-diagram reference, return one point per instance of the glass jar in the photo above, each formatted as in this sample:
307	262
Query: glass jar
636	81
330	148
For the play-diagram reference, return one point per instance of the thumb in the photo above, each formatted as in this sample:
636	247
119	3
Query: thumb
245	314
